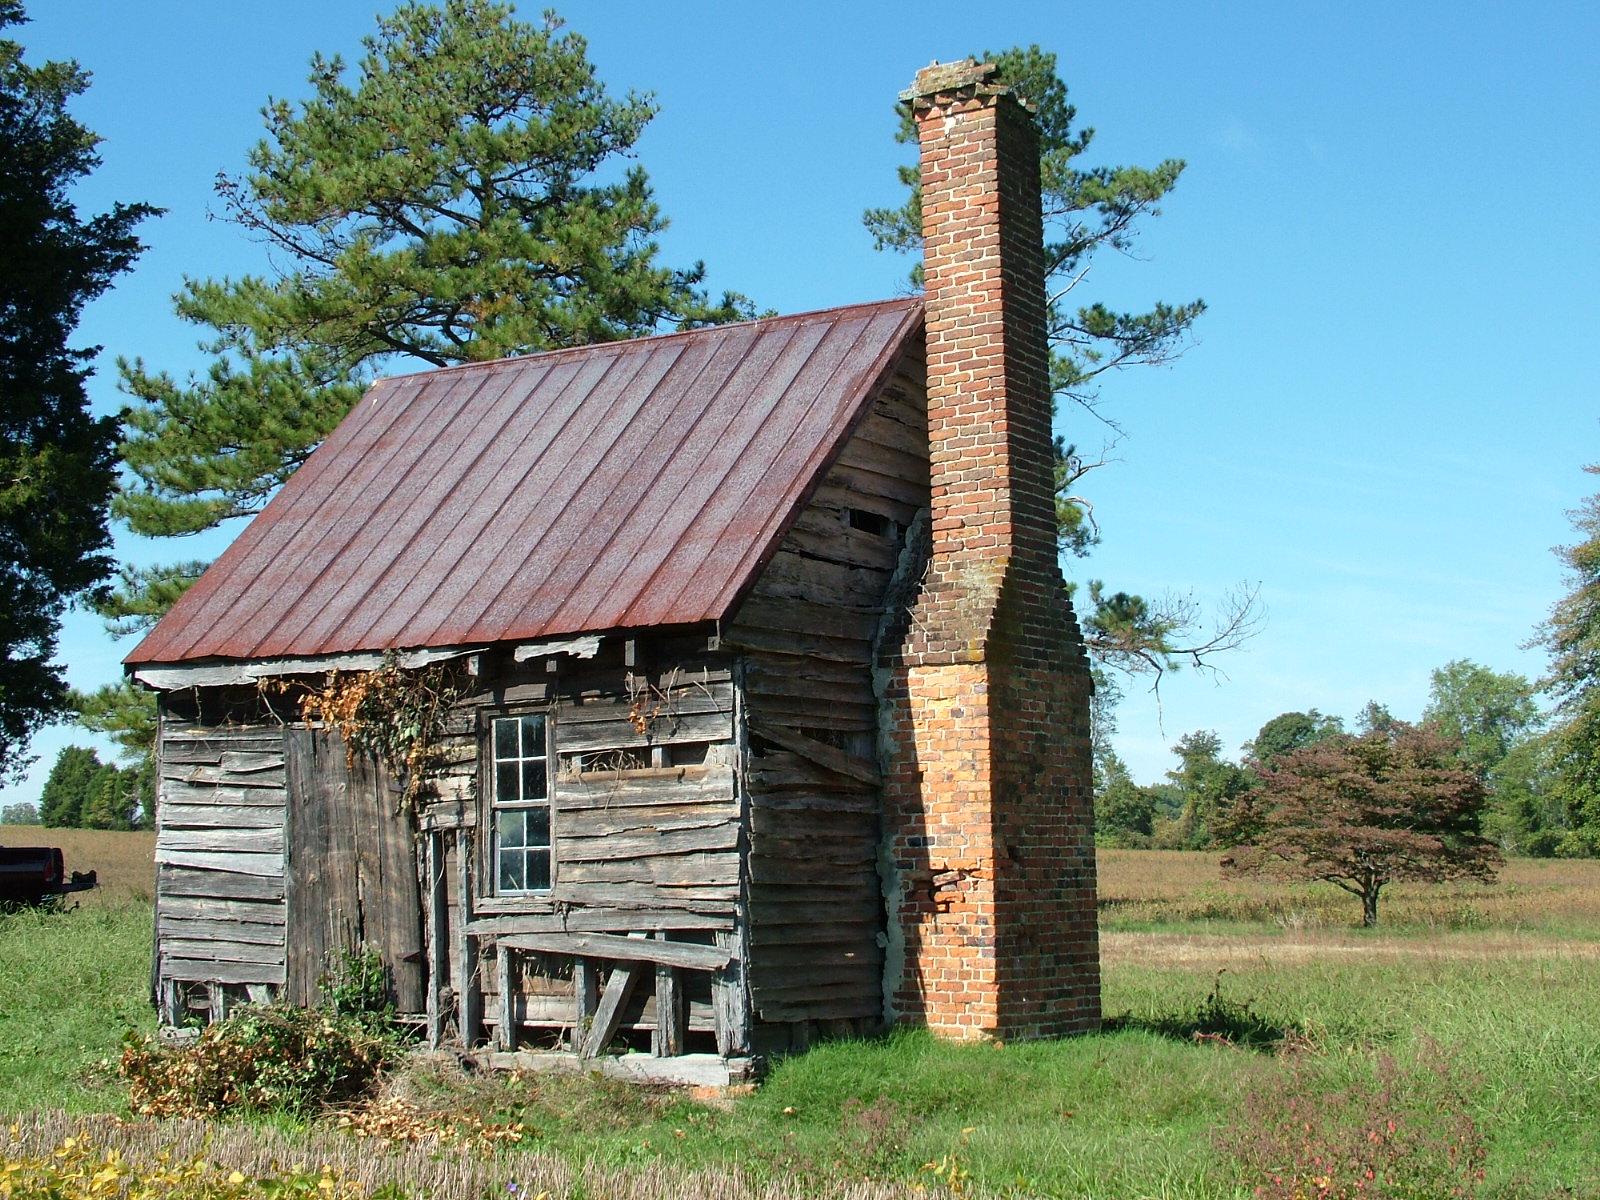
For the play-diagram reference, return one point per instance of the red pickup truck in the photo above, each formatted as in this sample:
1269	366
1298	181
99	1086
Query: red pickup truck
32	874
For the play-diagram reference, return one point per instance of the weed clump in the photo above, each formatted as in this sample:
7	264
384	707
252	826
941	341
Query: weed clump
1217	1019
1404	1134
261	1059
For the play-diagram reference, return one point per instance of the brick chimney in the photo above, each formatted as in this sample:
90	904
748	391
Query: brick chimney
989	853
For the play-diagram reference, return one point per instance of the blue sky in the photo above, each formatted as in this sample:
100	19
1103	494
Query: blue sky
1390	210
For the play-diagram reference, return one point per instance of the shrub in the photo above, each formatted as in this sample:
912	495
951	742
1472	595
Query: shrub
275	1057
357	985
1404	1135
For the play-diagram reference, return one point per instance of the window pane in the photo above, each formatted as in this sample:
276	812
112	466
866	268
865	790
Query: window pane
538	826
505	739
533	736
533	781
538	870
513	830
505	782
512	878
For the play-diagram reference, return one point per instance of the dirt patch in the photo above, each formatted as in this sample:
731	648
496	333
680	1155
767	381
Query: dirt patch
1171	949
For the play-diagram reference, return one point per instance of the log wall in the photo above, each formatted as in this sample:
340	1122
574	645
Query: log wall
806	635
221	832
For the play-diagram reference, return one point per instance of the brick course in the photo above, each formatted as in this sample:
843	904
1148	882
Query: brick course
989	808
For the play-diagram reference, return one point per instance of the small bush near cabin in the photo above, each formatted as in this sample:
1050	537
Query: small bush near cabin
270	1058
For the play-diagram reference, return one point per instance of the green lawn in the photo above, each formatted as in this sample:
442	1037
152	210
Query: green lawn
1503	1023
71	983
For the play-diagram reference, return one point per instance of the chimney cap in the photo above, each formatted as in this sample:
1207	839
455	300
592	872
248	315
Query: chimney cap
962	76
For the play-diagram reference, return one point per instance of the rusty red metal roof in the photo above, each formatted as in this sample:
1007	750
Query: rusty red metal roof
618	486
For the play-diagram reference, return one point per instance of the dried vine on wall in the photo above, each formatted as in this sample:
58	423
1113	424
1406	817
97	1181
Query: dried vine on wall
394	714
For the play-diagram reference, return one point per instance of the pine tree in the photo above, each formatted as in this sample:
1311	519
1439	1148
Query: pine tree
113	798
1088	211
456	199
57	465
459	197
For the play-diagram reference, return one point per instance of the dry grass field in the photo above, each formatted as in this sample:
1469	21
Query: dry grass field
125	861
1142	890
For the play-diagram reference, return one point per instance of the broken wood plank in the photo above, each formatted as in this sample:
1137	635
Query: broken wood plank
438	935
223	885
210	970
606	846
665	729
221	816
222	950
830	758
230	863
255	841
599	945
504	972
585	999
176	791
245	762
469	995
222	930
608	1014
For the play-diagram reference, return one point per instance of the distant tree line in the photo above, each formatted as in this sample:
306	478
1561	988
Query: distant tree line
84	793
1483	723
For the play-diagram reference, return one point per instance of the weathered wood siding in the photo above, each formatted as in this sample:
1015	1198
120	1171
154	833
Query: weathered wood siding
806	636
352	880
646	829
220	838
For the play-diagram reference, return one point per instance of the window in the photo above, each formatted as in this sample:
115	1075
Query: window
521	798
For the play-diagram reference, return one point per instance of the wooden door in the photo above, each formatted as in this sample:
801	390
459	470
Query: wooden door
352	878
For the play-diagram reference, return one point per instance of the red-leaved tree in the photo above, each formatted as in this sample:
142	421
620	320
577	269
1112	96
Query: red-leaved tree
1360	812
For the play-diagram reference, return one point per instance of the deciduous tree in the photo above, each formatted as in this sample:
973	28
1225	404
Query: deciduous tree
1362	812
57	462
1572	637
1212	789
1124	812
67	788
1496	721
1288	732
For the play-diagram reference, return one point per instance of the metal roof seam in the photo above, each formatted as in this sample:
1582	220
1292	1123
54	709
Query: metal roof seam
598	555
666	602
486	520
488	602
259	535
351	571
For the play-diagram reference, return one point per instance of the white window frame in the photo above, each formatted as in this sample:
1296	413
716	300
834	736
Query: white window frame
521	803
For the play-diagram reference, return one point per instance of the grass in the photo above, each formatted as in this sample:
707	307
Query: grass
1508	1007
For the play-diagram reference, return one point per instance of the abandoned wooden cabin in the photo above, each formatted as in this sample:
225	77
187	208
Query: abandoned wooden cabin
765	713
